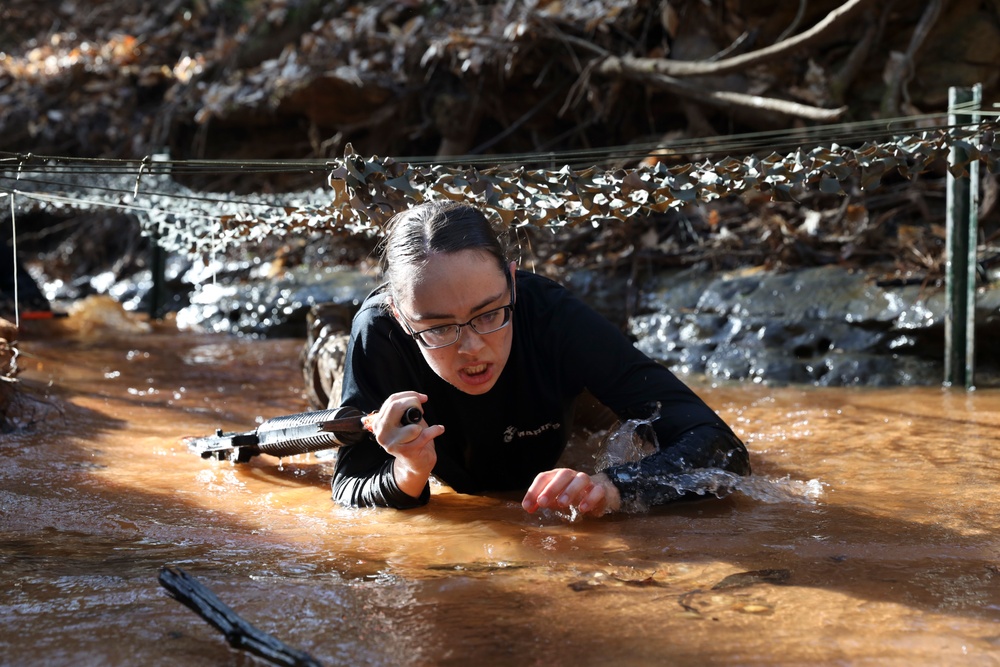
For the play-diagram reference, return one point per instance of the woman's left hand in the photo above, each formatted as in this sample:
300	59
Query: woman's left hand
563	488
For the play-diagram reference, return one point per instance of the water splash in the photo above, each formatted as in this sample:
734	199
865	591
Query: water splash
721	483
624	444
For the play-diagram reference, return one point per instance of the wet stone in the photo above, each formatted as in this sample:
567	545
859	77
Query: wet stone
775	576
274	307
825	325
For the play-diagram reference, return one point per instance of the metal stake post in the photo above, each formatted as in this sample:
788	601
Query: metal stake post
962	229
157	267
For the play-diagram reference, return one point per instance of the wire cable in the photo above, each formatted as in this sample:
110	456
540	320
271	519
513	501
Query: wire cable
736	144
39	177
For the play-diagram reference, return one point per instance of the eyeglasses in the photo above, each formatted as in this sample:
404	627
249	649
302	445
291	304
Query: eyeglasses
448	334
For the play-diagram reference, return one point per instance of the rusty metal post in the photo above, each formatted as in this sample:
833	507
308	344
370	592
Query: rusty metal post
962	230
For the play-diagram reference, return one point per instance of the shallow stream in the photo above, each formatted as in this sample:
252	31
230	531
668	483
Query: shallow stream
891	558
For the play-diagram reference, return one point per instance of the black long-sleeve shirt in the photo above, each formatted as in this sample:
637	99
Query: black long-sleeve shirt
502	439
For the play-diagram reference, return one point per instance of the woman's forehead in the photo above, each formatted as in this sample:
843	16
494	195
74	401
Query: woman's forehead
452	284
472	264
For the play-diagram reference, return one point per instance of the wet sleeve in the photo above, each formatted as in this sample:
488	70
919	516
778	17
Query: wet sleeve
689	434
372	490
374	368
646	483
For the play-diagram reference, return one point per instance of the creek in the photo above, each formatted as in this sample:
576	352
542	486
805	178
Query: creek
891	559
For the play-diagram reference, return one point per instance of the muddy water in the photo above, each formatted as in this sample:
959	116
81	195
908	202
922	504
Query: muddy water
896	563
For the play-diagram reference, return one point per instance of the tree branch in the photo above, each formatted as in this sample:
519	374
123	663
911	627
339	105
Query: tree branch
679	68
724	98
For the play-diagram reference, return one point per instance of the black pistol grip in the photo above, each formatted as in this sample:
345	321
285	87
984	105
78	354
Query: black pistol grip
413	415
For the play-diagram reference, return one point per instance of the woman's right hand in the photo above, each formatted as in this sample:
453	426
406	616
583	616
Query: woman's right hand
411	445
565	488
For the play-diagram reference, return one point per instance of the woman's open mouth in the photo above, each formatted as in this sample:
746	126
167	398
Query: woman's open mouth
477	374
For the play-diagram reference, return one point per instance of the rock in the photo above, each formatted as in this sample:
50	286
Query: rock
826	326
99	314
273	306
19	409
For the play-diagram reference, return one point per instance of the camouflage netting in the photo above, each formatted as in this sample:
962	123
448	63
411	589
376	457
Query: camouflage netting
365	192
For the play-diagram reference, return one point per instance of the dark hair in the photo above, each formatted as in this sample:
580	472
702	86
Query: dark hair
437	227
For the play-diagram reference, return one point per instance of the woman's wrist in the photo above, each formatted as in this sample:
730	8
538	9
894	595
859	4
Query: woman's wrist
409	479
612	498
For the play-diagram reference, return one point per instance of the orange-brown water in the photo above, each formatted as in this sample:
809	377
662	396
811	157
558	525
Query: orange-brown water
897	563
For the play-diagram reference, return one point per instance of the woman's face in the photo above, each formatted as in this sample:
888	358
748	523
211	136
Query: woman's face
453	288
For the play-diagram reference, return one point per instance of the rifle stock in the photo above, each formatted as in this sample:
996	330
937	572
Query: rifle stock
289	435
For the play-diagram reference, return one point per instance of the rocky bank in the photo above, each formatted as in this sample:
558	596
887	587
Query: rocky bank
827	326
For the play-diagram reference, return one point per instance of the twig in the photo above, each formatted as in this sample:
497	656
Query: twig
799	15
513	127
188	591
900	68
737	43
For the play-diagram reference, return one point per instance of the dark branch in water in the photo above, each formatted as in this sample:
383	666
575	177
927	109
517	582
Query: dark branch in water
187	590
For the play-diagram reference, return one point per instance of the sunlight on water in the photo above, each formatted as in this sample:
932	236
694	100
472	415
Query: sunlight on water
783	490
721	483
866	535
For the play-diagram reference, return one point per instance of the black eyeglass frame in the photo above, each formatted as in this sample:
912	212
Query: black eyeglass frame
508	314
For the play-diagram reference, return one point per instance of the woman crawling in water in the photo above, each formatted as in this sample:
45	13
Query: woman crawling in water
495	359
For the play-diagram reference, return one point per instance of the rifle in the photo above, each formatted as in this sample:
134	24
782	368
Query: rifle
289	435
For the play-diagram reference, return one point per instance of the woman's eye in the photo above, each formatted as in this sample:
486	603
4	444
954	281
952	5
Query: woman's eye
488	318
440	332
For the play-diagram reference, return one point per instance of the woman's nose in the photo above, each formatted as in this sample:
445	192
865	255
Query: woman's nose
469	341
